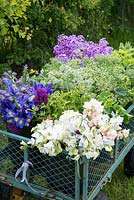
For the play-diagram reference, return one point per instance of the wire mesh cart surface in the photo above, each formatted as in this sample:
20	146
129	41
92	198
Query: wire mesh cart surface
60	177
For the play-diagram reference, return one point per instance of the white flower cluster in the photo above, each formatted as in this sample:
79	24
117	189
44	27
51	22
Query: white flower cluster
79	134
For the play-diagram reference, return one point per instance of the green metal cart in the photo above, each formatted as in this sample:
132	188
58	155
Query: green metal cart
60	177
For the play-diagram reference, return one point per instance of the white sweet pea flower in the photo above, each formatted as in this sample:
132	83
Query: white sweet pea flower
116	121
48	148
83	142
98	141
70	141
39	140
36	138
32	141
108	142
70	127
88	133
39	126
93	107
48	132
91	154
123	134
72	120
57	132
68	114
36	134
48	123
104	119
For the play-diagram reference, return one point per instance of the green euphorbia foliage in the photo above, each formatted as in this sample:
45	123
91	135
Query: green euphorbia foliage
65	100
126	54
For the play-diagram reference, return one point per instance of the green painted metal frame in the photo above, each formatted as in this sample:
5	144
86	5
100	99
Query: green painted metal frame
81	172
78	176
85	178
109	173
23	186
11	180
117	161
77	180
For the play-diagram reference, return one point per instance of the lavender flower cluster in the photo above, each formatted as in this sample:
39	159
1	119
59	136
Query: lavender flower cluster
71	47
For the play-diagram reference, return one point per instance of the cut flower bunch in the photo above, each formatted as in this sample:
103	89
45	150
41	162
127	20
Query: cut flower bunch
21	100
80	134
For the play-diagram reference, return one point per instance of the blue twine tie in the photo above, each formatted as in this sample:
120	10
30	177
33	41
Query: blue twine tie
24	167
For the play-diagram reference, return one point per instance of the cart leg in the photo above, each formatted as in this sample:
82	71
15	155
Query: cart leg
101	196
129	163
5	191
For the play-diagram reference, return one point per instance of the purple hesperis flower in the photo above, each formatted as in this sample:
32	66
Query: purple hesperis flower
73	46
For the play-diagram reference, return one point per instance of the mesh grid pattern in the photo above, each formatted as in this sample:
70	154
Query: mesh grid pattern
130	126
57	173
99	167
11	157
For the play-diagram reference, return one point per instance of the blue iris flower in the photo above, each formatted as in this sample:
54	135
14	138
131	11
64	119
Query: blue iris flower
7	81
17	101
20	123
29	119
12	89
10	113
31	98
48	88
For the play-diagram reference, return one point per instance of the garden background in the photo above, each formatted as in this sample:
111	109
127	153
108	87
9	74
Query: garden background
29	30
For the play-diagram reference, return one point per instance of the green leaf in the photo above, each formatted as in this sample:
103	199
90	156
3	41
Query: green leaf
16	28
121	92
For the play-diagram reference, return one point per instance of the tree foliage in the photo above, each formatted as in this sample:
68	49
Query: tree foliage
13	24
12	18
46	19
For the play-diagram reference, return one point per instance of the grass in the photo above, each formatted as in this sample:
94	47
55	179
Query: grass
121	187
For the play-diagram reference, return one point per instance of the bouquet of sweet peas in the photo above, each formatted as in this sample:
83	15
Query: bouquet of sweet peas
21	100
80	134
